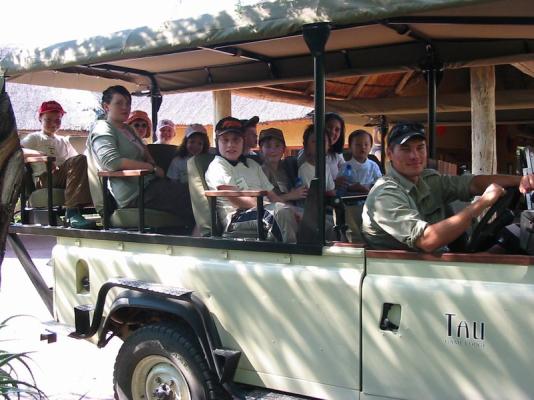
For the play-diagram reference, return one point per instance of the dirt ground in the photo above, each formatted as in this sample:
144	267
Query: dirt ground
67	369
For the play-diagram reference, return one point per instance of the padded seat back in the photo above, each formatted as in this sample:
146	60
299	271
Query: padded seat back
196	169
163	154
127	218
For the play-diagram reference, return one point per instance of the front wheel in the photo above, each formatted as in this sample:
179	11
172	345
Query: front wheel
159	362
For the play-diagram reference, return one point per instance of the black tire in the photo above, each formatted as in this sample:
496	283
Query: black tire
160	357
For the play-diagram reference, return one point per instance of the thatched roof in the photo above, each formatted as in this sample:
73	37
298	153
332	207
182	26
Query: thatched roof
183	109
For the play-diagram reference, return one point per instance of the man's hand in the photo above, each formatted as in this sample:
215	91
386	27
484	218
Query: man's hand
526	184
492	193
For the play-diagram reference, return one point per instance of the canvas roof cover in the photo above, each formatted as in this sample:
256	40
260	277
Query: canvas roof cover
262	44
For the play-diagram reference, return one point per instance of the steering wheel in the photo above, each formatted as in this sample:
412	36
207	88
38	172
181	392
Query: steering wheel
486	233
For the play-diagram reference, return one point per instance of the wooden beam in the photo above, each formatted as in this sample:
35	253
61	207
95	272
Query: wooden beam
358	87
222	106
526	67
483	128
403	82
450	102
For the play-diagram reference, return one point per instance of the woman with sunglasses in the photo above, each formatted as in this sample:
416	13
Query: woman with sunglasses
141	124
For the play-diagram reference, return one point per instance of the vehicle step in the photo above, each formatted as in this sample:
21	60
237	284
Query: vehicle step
265	394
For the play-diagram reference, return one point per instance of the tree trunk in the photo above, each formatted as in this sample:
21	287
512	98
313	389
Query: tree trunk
11	167
483	132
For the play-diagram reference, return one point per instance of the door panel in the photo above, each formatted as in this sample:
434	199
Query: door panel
465	330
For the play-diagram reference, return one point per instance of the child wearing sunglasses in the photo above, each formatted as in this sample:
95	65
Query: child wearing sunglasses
141	124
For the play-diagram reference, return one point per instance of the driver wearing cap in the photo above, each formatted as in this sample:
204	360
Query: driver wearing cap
406	209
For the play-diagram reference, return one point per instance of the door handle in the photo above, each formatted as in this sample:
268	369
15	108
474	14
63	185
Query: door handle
390	319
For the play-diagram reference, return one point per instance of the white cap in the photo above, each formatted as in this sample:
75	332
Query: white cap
165	122
195	128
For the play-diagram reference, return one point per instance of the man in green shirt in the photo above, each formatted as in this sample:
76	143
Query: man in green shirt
406	208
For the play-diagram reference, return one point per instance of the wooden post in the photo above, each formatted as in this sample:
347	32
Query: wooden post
222	106
483	128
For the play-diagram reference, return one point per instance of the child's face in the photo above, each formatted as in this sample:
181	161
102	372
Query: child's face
251	137
194	144
333	128
140	127
272	149
360	147
311	145
230	145
166	133
50	122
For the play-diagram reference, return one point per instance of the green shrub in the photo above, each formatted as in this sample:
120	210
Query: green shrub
13	366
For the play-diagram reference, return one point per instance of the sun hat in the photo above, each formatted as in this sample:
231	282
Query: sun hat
143	116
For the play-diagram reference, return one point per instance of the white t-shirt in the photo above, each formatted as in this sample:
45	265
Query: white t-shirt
178	169
307	173
246	177
54	146
334	161
366	173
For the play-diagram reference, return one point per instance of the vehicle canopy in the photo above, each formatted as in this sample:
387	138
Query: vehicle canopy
263	44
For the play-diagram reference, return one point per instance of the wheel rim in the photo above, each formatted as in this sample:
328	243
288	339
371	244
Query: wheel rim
156	378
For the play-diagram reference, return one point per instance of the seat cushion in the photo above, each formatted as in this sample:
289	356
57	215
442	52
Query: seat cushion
129	218
196	168
39	198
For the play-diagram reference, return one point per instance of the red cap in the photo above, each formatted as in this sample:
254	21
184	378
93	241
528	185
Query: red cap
51	106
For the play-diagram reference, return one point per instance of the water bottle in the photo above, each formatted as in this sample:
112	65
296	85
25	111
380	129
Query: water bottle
347	173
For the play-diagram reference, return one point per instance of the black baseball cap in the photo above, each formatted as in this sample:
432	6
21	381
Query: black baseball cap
228	124
250	122
404	131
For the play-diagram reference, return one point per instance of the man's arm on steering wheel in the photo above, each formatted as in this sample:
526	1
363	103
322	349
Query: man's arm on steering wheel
479	183
444	232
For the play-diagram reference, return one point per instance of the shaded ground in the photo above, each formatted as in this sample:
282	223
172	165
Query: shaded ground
68	369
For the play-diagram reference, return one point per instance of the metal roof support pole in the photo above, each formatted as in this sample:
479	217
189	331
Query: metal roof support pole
432	88
316	35
433	73
383	128
155	101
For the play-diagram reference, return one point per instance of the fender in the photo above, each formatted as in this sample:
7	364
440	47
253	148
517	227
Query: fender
180	302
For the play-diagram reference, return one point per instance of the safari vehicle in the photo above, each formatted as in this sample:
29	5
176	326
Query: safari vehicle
214	317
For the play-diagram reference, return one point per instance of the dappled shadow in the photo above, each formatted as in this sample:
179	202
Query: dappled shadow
297	324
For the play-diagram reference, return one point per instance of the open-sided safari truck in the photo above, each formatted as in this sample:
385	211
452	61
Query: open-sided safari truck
212	317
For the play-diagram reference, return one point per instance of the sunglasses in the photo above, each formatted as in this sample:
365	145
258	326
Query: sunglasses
140	125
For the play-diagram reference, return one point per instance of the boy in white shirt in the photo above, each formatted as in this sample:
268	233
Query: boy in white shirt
364	175
70	168
230	169
364	171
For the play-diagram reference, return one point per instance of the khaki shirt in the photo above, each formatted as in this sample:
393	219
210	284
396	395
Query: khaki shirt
397	211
